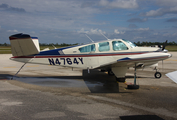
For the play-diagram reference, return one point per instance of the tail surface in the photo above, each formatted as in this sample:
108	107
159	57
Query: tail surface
24	45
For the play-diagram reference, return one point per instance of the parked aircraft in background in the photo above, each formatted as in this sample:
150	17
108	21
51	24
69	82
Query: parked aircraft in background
112	55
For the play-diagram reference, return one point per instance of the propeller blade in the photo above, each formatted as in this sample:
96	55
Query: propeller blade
164	45
159	45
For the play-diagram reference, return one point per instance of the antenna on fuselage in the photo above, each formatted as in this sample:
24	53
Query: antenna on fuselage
89	38
103	35
54	46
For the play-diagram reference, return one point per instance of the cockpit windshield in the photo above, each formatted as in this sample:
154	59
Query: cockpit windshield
132	45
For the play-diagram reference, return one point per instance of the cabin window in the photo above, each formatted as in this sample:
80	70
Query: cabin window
118	45
89	48
104	46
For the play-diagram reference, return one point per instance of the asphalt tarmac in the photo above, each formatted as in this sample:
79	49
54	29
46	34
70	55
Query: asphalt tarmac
50	92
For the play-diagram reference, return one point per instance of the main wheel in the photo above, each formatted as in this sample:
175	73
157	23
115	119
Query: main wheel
133	86
110	73
158	75
120	79
102	70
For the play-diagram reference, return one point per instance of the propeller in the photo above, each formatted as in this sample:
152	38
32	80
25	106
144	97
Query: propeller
164	45
159	45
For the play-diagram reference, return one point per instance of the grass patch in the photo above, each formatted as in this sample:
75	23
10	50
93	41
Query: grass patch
5	50
171	48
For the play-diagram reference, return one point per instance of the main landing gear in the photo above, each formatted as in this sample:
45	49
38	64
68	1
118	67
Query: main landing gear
133	86
110	73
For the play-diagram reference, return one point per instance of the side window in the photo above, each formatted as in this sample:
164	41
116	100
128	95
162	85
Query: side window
104	46
118	45
88	48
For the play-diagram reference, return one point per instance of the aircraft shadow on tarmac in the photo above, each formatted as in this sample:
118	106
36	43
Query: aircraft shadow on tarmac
96	81
141	117
100	82
5	76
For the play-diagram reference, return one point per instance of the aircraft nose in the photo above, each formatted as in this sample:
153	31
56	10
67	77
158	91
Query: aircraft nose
170	55
11	58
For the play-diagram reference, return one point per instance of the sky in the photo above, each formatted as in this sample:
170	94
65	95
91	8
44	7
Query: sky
69	21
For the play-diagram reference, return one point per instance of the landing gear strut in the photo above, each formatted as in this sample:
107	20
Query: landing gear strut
134	86
110	73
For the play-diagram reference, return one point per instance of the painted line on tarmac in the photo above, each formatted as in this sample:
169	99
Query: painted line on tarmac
33	66
10	67
170	60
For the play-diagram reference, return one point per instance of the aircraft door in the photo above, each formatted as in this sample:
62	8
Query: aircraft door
104	58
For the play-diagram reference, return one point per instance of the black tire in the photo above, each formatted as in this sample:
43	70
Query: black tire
120	79
110	73
157	75
102	70
133	86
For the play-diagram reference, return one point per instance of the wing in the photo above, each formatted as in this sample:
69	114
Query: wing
119	66
139	59
144	58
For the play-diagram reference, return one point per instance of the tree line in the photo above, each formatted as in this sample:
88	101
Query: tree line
65	44
154	43
45	44
58	45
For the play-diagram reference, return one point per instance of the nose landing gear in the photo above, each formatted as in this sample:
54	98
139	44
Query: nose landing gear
157	74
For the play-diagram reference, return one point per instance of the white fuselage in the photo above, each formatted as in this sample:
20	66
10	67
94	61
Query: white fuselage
73	57
115	54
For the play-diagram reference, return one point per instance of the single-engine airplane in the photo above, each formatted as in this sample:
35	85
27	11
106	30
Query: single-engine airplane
112	55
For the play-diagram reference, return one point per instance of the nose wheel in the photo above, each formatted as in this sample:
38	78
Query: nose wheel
157	75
